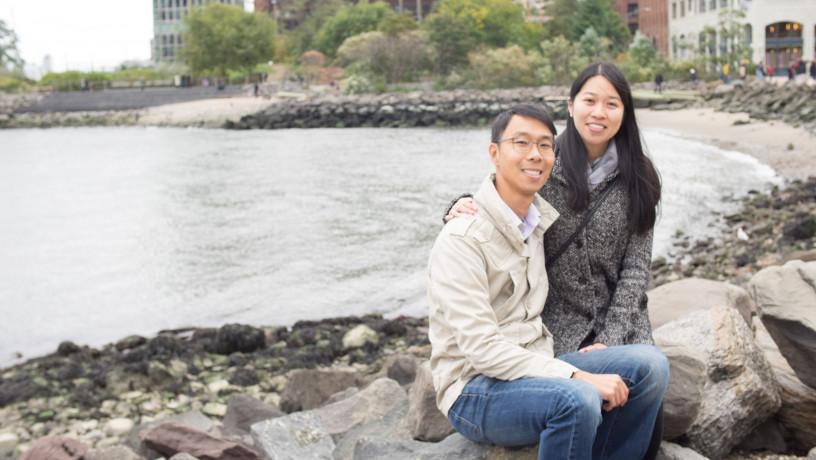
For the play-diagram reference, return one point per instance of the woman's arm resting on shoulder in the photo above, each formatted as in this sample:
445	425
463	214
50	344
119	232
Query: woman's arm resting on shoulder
462	205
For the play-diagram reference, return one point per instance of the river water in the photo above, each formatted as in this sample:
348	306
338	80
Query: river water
108	232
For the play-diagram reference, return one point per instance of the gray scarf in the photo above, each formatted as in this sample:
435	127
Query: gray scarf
601	168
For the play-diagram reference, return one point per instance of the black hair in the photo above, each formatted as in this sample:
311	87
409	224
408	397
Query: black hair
636	171
536	112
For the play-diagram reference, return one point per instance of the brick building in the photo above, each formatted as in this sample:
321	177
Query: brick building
650	17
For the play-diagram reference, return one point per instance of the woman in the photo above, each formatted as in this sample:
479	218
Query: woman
598	284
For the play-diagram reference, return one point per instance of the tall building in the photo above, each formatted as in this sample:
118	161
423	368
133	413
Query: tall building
649	17
778	31
168	25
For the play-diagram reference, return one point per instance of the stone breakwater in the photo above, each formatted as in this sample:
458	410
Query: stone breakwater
445	108
792	103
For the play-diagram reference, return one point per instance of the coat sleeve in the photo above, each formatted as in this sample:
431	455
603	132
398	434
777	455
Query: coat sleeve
627	319
458	287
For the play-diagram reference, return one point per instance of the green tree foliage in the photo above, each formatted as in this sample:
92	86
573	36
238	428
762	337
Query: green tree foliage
397	24
394	58
351	20
594	47
562	18
72	80
220	38
9	54
642	62
302	38
562	60
601	16
731	26
457	27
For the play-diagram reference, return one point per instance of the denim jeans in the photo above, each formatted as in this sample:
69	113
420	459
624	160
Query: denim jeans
564	416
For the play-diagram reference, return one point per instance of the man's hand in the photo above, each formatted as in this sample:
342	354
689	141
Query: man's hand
463	207
611	387
593	347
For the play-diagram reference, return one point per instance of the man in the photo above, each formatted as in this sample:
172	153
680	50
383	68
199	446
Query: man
494	371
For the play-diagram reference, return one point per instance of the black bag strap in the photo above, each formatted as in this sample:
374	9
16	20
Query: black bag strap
552	259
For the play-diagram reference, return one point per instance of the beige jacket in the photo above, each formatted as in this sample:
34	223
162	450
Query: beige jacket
486	289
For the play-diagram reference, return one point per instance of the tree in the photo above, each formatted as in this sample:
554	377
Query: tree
502	68
601	16
219	38
302	38
562	60
457	27
10	59
733	46
642	52
562	18
593	46
351	20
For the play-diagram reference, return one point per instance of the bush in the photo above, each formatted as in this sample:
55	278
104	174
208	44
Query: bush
499	68
14	82
72	80
351	20
393	58
561	61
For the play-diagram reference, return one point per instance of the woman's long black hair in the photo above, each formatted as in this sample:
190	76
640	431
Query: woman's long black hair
635	169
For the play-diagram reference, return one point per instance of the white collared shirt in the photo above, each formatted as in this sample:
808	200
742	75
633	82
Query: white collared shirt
526	225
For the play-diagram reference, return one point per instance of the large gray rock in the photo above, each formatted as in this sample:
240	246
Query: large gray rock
426	421
454	446
401	367
112	453
310	388
798	411
392	427
243	411
671	451
316	430
786	298
740	392
172	438
372	403
770	436
55	448
295	437
679	298
686	384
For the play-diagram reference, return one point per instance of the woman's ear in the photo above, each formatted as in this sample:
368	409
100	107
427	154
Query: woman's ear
569	108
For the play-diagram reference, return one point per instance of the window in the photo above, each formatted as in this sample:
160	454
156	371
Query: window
674	10
690	6
702	6
683	8
712	4
172	39
749	35
632	10
723	3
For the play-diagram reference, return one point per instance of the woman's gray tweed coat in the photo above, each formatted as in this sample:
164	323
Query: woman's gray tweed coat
599	283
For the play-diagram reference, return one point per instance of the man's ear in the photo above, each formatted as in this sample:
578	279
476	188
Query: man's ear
493	151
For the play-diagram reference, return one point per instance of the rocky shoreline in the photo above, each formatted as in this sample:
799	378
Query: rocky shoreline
221	381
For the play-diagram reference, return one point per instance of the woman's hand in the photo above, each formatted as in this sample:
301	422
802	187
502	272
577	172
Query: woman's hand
593	347
463	207
611	387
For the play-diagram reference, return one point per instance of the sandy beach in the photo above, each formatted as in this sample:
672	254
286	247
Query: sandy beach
766	141
211	113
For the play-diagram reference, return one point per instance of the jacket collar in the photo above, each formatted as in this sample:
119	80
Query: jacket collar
493	206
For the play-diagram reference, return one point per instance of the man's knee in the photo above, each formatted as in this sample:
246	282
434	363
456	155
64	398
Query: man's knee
584	402
651	364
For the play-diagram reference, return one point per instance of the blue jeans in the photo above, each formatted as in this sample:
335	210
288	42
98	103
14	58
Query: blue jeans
564	416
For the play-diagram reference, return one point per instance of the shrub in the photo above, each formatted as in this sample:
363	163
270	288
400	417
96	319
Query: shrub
393	58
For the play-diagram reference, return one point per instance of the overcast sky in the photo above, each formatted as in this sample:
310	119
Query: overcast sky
80	34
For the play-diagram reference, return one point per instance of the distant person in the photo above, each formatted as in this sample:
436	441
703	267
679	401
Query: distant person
205	82
255	89
693	76
221	84
742	72
771	71
659	83
759	72
791	72
813	69
726	70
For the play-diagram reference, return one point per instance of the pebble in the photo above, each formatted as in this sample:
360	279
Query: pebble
118	426
214	409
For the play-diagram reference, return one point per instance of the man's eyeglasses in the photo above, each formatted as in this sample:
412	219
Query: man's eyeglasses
523	146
